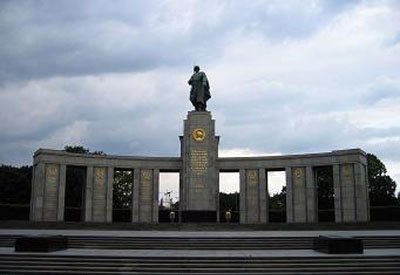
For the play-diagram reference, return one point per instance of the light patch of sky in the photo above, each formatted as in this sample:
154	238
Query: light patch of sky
393	170
276	180
169	183
229	182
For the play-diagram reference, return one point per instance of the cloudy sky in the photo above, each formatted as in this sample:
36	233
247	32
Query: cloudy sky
286	76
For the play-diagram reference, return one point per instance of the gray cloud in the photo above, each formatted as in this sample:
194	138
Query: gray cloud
70	38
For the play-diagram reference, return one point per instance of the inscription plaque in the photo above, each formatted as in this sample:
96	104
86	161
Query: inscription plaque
198	161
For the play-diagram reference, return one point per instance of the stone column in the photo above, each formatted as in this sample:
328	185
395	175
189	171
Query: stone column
89	194
351	193
289	195
61	193
361	193
252	196
181	194
50	204
243	195
135	194
267	198
38	192
216	194
99	194
311	196
48	192
348	192
156	186
146	196
338	194
109	193
263	196
301	195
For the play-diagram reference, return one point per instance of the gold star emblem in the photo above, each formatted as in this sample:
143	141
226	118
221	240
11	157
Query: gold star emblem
199	134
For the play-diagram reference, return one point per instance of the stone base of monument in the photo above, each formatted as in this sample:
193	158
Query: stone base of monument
338	245
199	216
41	243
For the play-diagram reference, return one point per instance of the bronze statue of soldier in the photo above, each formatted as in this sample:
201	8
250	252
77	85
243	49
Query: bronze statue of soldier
200	91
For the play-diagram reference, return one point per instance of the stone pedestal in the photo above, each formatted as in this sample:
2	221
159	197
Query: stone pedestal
199	151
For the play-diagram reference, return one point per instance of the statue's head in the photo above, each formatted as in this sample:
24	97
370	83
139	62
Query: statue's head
196	68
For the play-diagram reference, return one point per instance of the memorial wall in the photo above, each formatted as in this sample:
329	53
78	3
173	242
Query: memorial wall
199	167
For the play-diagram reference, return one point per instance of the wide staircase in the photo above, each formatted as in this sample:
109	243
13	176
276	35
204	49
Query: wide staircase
49	264
200	255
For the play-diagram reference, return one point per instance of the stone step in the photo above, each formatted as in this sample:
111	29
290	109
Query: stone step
205	243
32	263
316	272
52	264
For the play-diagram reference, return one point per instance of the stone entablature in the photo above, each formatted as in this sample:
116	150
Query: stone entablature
280	162
62	157
223	164
199	167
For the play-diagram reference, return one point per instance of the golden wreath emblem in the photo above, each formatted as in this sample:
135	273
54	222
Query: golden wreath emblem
52	171
347	170
100	173
146	175
199	134
298	173
252	175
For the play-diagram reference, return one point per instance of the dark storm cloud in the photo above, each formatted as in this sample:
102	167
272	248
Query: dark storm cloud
47	38
51	38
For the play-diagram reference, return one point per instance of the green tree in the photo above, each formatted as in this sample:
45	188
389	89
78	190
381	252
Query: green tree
228	202
278	200
324	181
381	186
74	188
78	149
15	184
122	189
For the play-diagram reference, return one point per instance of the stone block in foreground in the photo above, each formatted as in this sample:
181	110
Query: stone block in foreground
338	245
41	243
